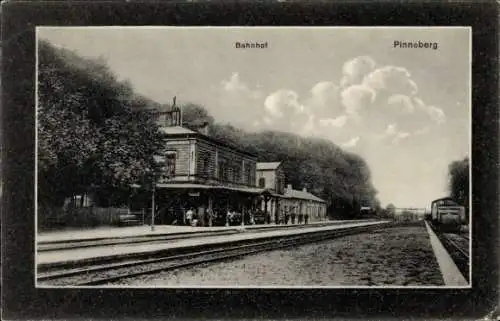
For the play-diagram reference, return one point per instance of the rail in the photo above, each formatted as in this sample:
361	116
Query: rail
108	272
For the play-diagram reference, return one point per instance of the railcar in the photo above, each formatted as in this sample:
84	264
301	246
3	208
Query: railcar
447	215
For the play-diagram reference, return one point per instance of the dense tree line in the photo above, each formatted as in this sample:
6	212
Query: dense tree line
459	181
94	133
342	179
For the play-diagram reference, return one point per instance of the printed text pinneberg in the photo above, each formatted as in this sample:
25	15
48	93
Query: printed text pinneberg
251	45
415	44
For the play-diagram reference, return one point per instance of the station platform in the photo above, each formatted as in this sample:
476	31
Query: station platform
116	251
109	232
449	270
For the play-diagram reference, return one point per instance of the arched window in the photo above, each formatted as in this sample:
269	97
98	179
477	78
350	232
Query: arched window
262	182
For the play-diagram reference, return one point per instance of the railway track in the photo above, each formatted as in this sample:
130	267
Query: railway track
152	239
107	273
457	246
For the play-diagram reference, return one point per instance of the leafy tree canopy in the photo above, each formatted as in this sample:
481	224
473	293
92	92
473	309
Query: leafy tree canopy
459	181
93	131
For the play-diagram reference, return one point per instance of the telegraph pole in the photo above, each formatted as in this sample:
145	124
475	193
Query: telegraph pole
153	204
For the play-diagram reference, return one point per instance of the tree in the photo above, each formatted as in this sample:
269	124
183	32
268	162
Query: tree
459	181
391	210
94	133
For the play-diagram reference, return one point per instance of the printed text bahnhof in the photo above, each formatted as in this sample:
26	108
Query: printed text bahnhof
251	45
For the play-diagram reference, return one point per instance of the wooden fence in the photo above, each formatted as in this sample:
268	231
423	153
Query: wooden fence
54	218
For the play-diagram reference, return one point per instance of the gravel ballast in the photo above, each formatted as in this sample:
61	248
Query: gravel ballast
396	256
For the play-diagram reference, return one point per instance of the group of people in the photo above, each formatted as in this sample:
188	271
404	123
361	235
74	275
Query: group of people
232	217
301	218
210	217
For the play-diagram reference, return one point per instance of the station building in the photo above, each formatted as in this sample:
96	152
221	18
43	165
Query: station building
285	202
213	178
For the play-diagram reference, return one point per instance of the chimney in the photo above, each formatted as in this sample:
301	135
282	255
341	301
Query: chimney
204	128
304	189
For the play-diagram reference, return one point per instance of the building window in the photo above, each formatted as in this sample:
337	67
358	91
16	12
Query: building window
237	173
262	182
205	166
223	170
248	174
170	158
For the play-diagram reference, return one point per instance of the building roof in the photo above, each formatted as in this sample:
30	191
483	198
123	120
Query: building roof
268	165
183	131
252	190
172	130
444	199
292	193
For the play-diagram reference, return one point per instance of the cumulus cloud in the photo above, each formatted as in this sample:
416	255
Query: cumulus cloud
310	128
324	90
236	86
324	100
355	69
282	103
351	142
393	133
357	97
392	79
402	103
436	114
232	92
371	102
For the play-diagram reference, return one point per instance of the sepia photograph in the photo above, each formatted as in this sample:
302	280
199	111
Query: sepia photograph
253	157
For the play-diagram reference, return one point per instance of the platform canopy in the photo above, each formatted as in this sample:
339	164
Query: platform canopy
243	189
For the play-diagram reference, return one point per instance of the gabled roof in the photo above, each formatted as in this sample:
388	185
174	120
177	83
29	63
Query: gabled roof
268	165
292	193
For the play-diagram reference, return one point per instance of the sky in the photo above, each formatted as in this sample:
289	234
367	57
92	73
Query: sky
406	111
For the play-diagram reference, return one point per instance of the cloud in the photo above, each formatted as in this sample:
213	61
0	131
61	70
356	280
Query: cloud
371	102
309	128
236	86
391	79
283	103
232	93
390	130
351	142
337	122
400	136
324	100
357	97
402	103
325	89
437	114
355	69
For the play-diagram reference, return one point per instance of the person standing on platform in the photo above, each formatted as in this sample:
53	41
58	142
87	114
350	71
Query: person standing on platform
306	218
210	216
189	216
293	217
229	217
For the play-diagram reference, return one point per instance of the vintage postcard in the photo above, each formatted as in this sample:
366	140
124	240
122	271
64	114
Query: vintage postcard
253	157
